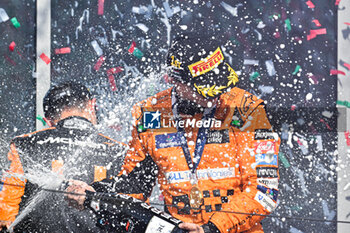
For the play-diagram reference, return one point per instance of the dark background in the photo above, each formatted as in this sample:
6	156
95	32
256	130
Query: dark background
298	104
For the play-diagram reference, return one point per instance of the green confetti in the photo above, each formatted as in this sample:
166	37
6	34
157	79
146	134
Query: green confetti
141	129
297	68
296	208
235	122
235	41
288	26
254	76
40	118
343	103
15	22
283	159
137	53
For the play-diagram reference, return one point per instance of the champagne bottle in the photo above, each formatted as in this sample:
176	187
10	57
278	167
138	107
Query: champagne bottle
122	213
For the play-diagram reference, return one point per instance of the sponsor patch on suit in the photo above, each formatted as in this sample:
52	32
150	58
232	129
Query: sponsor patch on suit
167	140
266	159
270	172
263	134
218	136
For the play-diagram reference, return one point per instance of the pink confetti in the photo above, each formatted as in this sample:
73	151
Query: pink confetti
276	34
45	58
100	7
317	23
115	70
310	4
10	60
99	63
12	46
335	72
347	65
112	82
337	2
293	107
314	33
132	47
62	50
347	23
328	127
347	133
115	127
314	79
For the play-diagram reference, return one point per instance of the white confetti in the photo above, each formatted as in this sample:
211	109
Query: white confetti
251	62
143	27
3	15
270	67
97	48
232	10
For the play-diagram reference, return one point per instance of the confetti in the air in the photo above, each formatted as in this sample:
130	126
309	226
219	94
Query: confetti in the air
316	22
3	15
336	72
62	50
12	46
100	7
45	58
310	4
316	32
99	63
15	22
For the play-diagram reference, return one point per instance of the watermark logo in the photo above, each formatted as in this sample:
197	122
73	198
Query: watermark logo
151	120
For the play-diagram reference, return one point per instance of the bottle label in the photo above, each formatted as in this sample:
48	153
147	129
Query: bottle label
158	225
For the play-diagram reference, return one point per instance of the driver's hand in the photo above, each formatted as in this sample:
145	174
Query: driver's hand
76	193
191	227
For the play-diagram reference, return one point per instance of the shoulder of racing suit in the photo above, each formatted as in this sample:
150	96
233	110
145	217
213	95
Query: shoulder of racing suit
159	102
237	105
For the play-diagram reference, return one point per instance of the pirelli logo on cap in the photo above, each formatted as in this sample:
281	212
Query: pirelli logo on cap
206	65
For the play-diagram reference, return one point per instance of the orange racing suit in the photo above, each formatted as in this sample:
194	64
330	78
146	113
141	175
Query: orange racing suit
238	170
75	150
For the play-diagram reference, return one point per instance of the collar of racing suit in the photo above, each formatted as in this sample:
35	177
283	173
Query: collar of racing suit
185	106
76	122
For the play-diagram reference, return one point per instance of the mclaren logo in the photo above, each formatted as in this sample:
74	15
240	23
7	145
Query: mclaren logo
71	142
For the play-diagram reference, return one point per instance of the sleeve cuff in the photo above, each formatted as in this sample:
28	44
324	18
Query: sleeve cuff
210	228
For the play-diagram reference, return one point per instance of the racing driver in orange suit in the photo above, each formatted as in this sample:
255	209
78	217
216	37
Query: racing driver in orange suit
209	144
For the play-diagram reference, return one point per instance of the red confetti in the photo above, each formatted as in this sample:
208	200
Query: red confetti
337	2
314	33
335	72
62	50
328	127
314	79
100	7
317	23
112	82
293	107
132	47
12	46
277	35
10	60
116	127
347	133
99	63
310	4
45	58
347	65
115	70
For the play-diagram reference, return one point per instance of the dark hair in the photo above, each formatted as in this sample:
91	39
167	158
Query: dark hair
63	96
